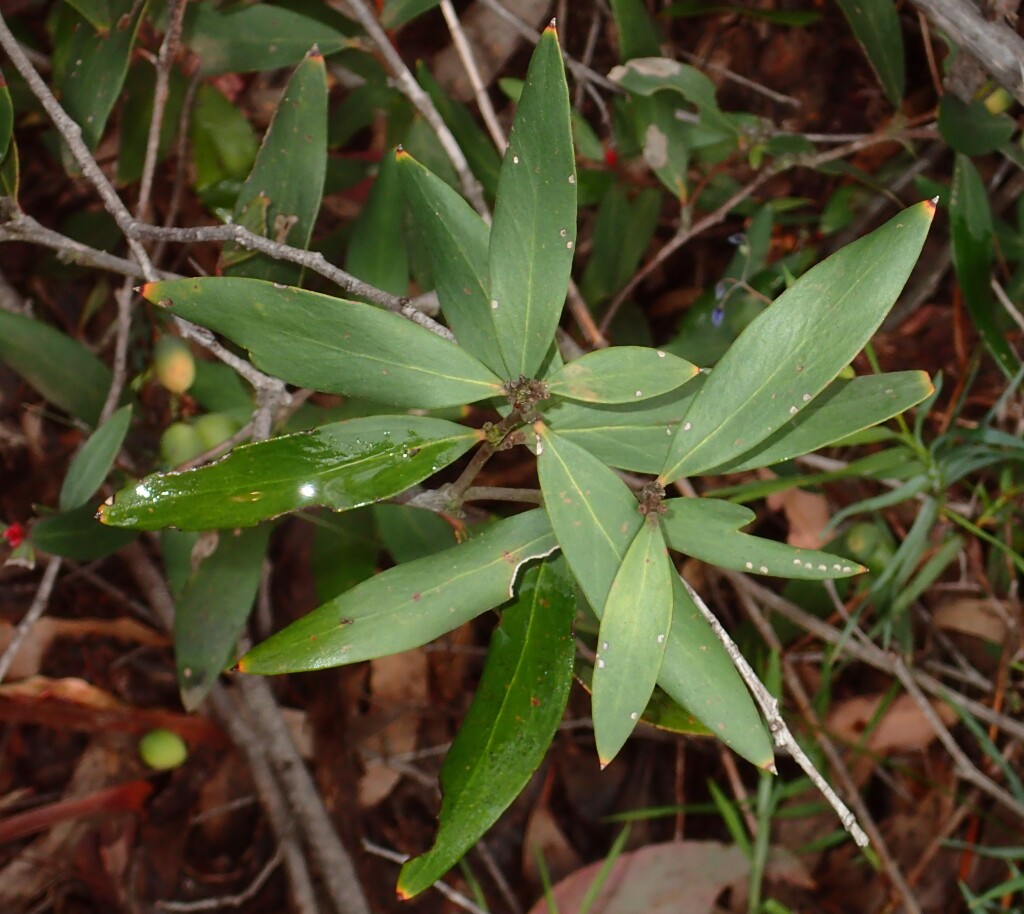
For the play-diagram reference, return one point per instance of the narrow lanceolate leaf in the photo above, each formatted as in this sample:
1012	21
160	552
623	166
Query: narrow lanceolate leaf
210	614
6	117
330	344
514	715
632	638
456	239
410	604
630	436
842	409
47	359
593	513
706	528
78	535
876	26
94	460
256	36
385	266
90	65
340	466
286	183
973	254
534	230
791	351
623	374
596	518
698	673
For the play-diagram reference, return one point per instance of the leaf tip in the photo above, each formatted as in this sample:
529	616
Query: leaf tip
403	893
931	205
553	26
101	512
315	53
240	666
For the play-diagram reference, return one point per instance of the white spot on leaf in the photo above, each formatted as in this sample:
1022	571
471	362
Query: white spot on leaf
142	491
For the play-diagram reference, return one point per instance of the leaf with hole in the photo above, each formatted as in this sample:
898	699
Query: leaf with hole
341	466
791	351
533	236
331	344
515	712
410	604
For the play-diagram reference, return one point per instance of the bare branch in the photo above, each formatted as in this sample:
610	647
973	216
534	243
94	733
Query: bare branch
35	612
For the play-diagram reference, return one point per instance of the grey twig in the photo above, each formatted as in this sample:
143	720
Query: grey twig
796	688
228	901
780	731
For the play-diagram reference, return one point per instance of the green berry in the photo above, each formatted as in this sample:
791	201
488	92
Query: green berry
180	443
214	428
162	750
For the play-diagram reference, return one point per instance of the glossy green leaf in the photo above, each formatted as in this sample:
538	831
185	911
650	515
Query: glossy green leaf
790	352
970	128
876	26
90	66
330	344
94	460
634	437
255	36
622	374
223	144
6	117
410	533
46	358
595	518
706	529
410	604
340	466
456	239
534	231
631	641
698	673
78	535
210	614
385	266
973	254
398	12
514	715
345	551
840	410
295	144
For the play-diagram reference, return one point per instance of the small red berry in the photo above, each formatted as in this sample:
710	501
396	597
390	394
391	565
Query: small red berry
14	535
611	158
